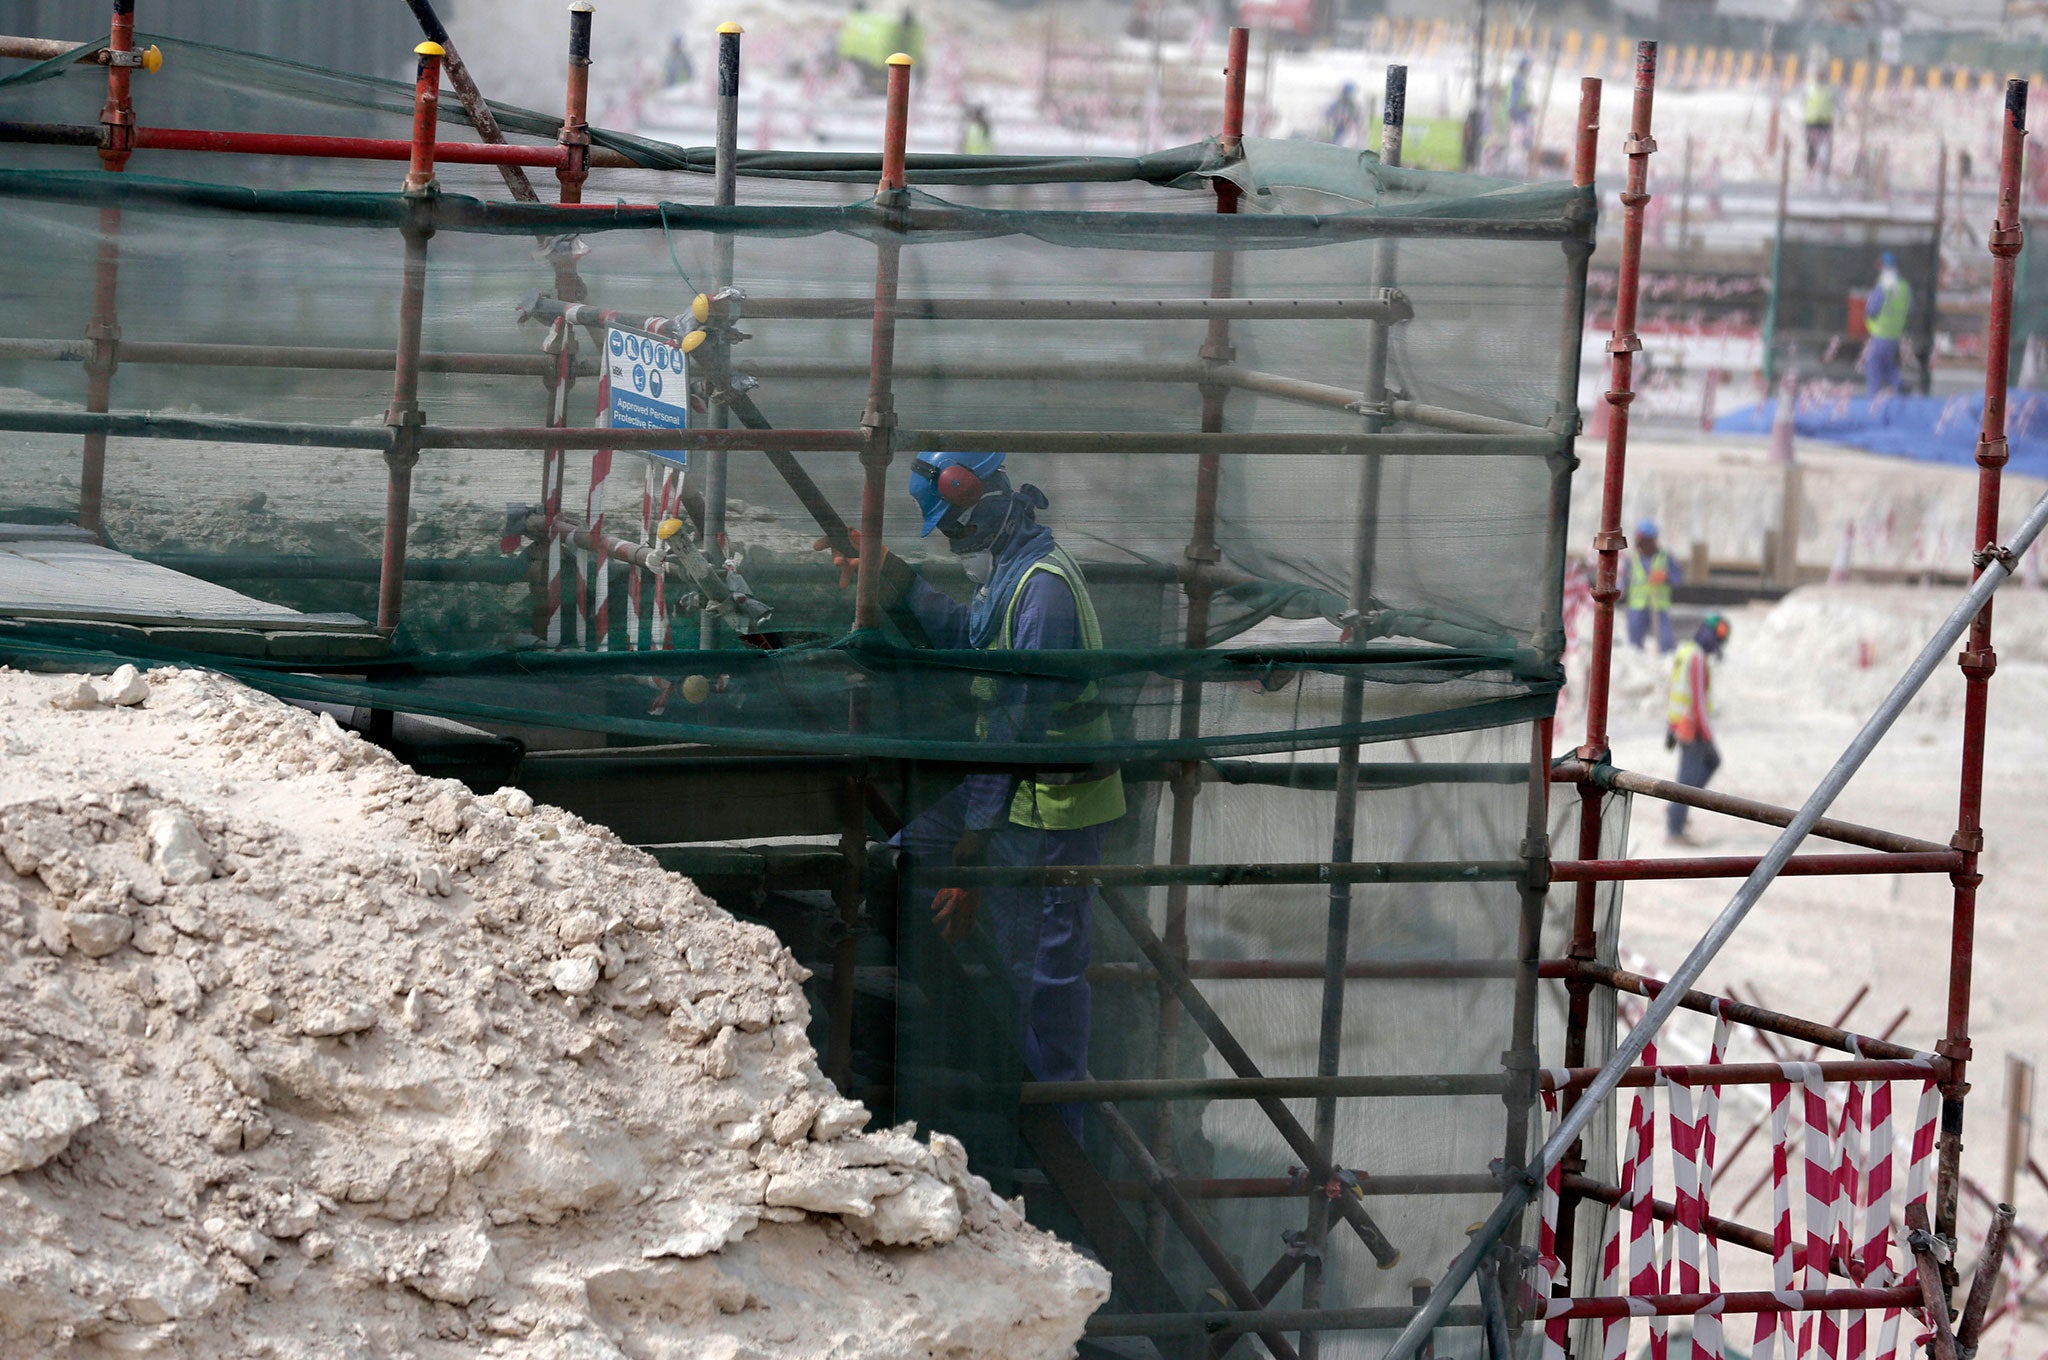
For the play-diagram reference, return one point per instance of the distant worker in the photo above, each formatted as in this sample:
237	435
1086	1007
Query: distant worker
1688	716
977	136
1819	116
867	39
1343	117
1647	575
1521	108
1885	313
1029	595
676	69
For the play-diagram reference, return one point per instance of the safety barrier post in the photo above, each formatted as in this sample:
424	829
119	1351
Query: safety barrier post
1978	660
1201	554
724	193
405	416
117	141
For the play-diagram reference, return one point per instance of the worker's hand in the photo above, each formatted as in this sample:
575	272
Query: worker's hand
969	848
953	912
848	566
1670	740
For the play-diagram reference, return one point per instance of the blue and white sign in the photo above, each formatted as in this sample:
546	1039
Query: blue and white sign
650	387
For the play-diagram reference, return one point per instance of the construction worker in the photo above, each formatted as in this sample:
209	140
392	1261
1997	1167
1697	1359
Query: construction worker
1343	117
1647	575
1688	713
1029	595
977	136
1885	313
1819	116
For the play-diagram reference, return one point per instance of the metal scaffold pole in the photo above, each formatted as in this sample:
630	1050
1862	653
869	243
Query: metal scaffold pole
1201	553
724	193
404	418
1978	659
117	139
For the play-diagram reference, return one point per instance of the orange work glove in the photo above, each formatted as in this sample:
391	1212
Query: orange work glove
847	565
954	909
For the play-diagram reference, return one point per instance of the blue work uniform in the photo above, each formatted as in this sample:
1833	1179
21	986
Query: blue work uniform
1042	932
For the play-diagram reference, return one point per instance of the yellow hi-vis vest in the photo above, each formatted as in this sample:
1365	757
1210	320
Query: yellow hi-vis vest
1820	105
1060	801
1649	583
1890	321
1679	714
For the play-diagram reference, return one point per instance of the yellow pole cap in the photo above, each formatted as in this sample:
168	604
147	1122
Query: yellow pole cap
899	59
430	49
700	307
582	7
152	58
668	529
692	340
696	689
730	27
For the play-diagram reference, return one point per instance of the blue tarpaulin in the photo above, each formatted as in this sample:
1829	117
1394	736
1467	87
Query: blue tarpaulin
1930	429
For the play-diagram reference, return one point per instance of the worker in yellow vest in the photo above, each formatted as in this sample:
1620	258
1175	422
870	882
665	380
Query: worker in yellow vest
1819	117
1029	596
1647	575
1885	312
1689	716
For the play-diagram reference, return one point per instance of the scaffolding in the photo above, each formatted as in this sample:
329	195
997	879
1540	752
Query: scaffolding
1486	805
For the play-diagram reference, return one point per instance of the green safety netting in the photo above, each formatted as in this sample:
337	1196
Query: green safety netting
1386	566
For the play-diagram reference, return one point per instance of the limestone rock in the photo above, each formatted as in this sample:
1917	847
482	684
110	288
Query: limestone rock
37	1124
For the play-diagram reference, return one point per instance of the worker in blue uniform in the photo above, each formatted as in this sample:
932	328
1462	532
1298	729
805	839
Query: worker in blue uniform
1029	596
1647	576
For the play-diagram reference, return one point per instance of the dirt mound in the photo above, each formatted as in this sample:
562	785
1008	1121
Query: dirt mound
304	1055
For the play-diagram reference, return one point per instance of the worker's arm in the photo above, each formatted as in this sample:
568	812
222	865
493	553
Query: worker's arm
1046	620
1673	573
943	618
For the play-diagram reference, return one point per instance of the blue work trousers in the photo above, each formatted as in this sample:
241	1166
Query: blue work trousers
1881	366
1697	761
1041	933
1639	629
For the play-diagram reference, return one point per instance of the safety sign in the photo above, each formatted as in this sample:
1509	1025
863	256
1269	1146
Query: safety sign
650	387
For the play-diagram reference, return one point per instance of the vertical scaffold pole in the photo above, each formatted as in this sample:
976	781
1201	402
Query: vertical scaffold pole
405	416
724	193
878	422
1343	833
1978	660
117	141
1608	544
1201	555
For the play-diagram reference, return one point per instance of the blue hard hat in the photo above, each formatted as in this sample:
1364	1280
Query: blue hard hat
943	482
1646	529
1889	260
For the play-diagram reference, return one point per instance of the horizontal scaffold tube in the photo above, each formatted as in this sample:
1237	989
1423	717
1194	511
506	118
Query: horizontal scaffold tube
285	356
1739	866
1752	1074
1387	307
310	145
1724	1231
1282	1187
1737	1012
1438	1084
1341	398
1217	1323
1275	970
1748	1301
35	49
1749	809
1422	871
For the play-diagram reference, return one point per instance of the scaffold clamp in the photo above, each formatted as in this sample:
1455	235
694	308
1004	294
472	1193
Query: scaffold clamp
1994	552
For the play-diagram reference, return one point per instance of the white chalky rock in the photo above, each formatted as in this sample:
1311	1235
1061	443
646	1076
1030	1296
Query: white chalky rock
516	802
925	1213
823	1190
175	985
97	934
465	1268
574	977
177	849
838	1117
123	689
338	1020
77	698
580	927
37	1124
703	1229
722	1055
